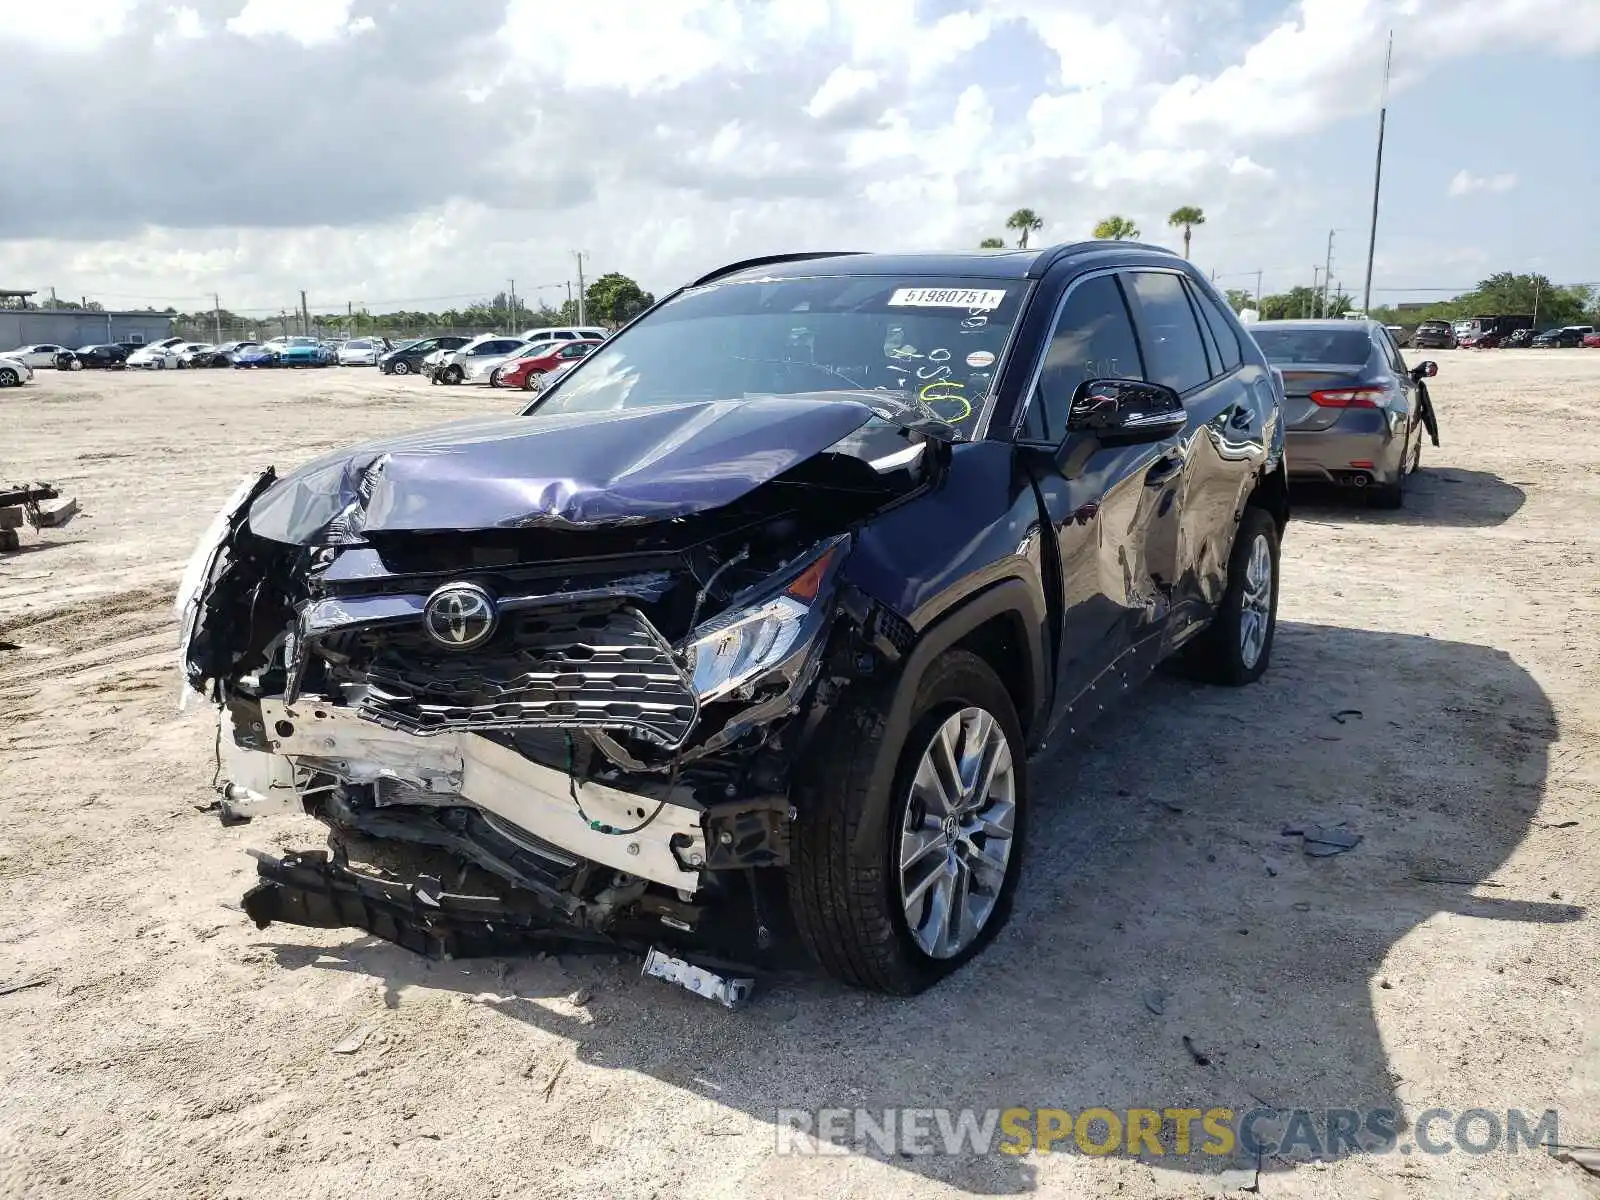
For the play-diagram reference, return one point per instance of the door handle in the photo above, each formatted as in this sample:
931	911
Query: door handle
1164	468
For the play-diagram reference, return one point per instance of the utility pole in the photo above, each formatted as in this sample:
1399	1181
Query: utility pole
1536	282
1377	175
1311	300
1258	292
350	317
216	316
53	301
1327	274
511	307
583	316
305	317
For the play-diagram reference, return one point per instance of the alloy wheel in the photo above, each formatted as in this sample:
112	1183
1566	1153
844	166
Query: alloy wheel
1255	608
957	832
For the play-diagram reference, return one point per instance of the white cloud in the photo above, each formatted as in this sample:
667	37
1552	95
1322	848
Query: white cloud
81	25
839	88
185	27
1464	182
1247	167
309	22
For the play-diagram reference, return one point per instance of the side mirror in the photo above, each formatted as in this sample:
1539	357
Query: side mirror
1126	412
1425	370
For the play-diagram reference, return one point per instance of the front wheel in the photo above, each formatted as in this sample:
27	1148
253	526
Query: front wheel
894	893
1237	646
400	367
9	378
533	381
454	374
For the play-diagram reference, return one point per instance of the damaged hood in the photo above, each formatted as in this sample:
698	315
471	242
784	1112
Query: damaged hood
571	471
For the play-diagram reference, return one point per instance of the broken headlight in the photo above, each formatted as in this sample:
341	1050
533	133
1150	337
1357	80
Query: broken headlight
736	648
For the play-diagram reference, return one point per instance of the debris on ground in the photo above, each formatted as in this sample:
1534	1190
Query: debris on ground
1200	1060
1347	712
1555	824
1587	1157
581	997
354	1040
729	991
1156	1001
1322	842
24	983
549	1088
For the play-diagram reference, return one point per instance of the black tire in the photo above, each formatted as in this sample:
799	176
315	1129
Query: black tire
847	908
9	378
454	374
400	367
528	384
1217	655
1391	496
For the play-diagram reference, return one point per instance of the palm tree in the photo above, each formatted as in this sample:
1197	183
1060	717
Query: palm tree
1186	218
1115	229
1025	221
991	243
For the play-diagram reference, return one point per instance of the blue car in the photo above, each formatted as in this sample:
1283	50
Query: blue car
257	356
306	352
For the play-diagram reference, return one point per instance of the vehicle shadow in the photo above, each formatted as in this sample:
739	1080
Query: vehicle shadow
1165	917
1445	496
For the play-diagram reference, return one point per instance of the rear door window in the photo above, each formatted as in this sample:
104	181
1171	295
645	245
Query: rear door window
1174	353
1222	335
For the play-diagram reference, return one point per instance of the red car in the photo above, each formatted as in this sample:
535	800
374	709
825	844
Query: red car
528	371
1488	339
1592	340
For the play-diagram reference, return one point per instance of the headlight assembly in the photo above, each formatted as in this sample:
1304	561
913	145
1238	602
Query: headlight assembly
738	647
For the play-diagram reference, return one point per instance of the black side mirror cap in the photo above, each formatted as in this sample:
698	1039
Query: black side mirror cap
1425	370
1126	412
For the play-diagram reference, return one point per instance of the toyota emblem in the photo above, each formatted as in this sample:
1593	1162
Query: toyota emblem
459	615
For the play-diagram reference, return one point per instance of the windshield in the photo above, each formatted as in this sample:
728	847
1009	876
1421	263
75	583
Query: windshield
931	343
1328	347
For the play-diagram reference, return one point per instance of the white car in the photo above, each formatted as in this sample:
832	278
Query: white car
14	372
159	356
362	352
42	354
564	333
476	361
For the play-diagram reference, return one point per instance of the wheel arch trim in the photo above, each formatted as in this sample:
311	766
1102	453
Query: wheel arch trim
1010	599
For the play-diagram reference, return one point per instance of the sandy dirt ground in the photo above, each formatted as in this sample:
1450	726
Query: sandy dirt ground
168	1048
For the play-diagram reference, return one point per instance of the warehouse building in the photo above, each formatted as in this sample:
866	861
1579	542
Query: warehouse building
23	325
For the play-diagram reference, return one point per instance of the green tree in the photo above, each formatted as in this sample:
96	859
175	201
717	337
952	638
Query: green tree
614	299
1239	299
1296	302
1508	294
992	243
1025	221
1116	229
1186	218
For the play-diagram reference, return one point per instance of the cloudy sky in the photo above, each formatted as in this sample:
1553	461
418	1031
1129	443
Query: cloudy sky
417	153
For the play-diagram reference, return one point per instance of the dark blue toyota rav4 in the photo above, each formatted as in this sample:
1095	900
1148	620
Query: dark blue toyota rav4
740	636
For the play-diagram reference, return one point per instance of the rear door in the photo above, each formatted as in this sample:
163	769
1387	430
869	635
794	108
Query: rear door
1201	491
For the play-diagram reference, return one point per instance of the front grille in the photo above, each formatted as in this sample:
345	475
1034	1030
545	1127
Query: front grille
589	668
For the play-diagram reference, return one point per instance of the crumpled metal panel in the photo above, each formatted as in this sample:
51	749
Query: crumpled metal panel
568	471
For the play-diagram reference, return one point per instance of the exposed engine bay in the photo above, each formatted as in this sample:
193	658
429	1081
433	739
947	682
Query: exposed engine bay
574	705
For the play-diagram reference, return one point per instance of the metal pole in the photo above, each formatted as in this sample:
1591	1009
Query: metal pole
1327	274
1377	176
583	316
1311	300
511	307
1257	305
1536	282
216	315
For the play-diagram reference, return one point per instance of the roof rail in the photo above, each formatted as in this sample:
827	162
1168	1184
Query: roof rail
767	259
1051	255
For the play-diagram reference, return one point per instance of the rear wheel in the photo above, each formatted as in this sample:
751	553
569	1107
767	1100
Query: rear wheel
400	367
1393	495
9	378
1237	646
533	381
900	902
